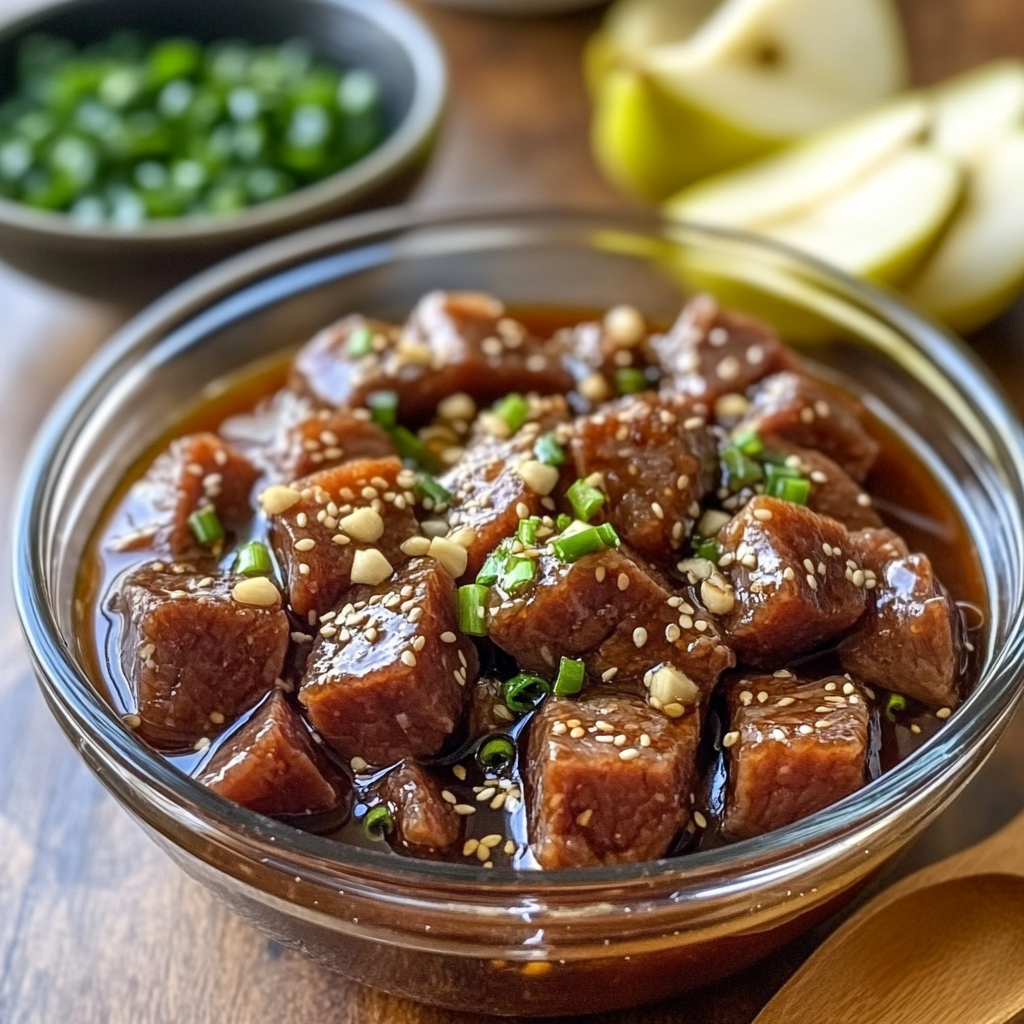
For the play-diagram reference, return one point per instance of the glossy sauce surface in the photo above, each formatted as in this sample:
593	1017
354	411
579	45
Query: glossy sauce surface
909	499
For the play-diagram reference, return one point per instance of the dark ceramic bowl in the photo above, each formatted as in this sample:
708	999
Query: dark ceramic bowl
131	266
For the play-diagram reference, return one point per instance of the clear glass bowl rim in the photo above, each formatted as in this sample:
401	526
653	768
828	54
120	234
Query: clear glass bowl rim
256	838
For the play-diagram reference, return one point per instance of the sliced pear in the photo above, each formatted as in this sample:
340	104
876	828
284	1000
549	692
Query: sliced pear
647	143
751	77
783	68
883	226
978	268
804	175
976	109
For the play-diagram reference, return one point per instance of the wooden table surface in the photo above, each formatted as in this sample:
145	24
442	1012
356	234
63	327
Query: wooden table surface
95	924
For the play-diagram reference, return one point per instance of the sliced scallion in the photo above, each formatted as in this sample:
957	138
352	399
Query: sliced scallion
707	547
608	536
360	342
493	565
527	530
513	409
433	489
630	380
377	823
571	674
524	692
517	574
472	601
206	527
895	704
585	500
748	442
496	754
409	447
741	470
383	406
793	489
549	451
576	545
563	522
253	559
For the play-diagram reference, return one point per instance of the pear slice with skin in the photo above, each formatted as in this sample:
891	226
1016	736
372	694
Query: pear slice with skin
976	109
978	267
784	68
883	226
779	187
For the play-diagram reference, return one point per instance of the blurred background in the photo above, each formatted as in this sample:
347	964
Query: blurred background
886	137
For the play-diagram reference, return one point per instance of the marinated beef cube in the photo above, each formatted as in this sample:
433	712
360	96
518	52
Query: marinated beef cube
833	492
911	640
656	461
614	612
198	650
422	818
195	472
793	747
793	587
597	799
270	766
327	439
452	342
326	521
876	547
597	352
341	359
709	353
388	674
498	482
487	709
797	409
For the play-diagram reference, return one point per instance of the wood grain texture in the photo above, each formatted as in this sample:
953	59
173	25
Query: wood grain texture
96	925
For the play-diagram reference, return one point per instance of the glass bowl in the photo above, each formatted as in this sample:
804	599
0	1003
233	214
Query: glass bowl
497	941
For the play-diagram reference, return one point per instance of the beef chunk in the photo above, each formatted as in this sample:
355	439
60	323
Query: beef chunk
793	587
794	747
327	439
657	461
912	638
195	472
797	409
270	766
387	676
709	353
487	709
614	612
333	367
453	341
833	492
316	542
194	654
490	491
592	801
422	818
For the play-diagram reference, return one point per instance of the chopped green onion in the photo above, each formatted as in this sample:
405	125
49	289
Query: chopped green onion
585	500
360	342
493	565
409	446
576	545
206	527
608	536
549	451
377	823
707	547
774	473
472	600
571	674
383	406
563	522
434	490
630	380
513	409
496	754
527	530
748	442
253	559
524	692
896	703
742	471
517	574
795	490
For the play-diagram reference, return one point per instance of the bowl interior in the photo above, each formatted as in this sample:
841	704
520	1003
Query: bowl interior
921	381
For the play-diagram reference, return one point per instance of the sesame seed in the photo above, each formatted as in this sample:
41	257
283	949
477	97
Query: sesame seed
812	582
628	754
943	713
459	771
785	702
448	796
609	673
583	818
730	739
485	794
470	847
763	514
700	820
623	581
805	730
578	733
639	636
464	809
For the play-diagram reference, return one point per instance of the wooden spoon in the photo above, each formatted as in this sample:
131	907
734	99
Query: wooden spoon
943	946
